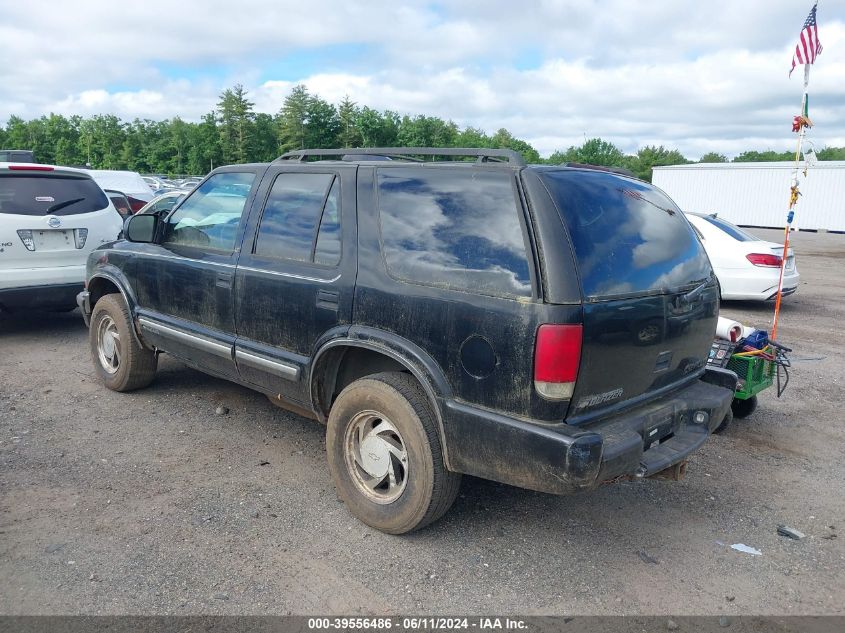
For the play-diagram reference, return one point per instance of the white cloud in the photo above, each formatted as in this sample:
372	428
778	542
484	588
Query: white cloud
697	76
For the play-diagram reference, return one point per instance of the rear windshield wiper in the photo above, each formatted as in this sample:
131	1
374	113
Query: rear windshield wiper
693	294
62	205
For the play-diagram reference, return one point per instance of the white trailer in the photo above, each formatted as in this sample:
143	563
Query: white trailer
757	194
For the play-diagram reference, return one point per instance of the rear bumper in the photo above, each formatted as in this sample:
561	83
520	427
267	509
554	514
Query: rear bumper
754	287
567	459
53	296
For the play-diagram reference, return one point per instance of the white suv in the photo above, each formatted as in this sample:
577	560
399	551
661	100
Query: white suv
51	218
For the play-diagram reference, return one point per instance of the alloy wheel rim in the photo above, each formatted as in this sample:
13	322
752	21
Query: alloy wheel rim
376	457
108	345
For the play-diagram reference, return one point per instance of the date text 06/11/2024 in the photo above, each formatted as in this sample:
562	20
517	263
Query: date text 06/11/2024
415	624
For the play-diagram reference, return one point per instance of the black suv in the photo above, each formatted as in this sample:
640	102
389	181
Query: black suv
542	326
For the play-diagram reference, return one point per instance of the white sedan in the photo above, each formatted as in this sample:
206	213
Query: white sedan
746	266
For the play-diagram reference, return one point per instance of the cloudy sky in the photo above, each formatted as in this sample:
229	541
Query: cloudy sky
699	75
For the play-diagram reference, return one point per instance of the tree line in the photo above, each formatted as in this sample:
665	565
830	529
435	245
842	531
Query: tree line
234	133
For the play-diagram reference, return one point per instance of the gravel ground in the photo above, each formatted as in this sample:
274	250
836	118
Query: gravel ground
151	503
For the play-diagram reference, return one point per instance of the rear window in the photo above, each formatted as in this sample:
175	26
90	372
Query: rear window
734	231
455	228
37	194
629	237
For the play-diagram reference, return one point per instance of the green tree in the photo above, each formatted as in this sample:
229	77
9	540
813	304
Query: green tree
831	153
594	151
347	113
713	157
322	125
505	140
651	156
178	137
265	146
293	119
763	157
236	117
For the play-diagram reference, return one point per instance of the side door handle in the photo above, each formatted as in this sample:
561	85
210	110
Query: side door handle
328	299
224	280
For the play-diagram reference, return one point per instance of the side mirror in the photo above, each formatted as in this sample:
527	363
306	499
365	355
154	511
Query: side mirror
141	228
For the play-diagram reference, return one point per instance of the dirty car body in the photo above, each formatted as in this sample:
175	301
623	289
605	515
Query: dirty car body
557	319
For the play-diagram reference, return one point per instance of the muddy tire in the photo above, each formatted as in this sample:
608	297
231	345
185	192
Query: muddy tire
385	455
744	408
726	422
122	364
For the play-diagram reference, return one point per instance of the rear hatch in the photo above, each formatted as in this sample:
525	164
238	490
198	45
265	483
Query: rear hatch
650	298
46	217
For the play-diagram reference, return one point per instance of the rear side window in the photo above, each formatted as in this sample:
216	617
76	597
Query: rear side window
210	216
455	228
734	231
629	237
301	219
39	195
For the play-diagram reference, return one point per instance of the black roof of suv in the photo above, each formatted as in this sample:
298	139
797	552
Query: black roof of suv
543	326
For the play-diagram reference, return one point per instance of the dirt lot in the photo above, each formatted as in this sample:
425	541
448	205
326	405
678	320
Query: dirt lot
151	503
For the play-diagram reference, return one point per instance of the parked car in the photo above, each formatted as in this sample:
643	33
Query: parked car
50	219
747	267
17	156
120	202
163	202
137	191
440	317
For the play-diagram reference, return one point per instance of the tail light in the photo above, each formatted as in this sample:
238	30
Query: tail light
79	237
557	357
30	168
767	260
135	204
26	238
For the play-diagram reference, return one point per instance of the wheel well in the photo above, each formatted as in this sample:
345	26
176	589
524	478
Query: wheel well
100	287
345	365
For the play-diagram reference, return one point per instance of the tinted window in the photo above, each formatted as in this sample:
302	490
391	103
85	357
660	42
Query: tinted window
289	223
31	194
209	218
327	251
453	227
732	230
629	237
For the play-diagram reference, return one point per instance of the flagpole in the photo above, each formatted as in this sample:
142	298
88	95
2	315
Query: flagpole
793	200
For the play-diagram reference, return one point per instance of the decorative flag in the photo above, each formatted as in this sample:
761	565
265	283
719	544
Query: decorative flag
808	47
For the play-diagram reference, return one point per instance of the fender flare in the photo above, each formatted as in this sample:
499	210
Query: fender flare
421	366
118	280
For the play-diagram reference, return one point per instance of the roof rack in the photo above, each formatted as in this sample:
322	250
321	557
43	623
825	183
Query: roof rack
616	170
408	153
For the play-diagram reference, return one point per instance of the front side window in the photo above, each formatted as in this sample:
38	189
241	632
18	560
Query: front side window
301	219
211	215
455	228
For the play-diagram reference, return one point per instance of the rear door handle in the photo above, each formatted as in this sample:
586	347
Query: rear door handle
328	299
224	280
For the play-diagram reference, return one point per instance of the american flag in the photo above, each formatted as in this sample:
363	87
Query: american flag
808	46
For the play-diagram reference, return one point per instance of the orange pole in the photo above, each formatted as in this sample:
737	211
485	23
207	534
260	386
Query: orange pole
791	204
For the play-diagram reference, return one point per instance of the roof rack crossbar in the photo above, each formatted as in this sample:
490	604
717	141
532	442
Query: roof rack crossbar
483	155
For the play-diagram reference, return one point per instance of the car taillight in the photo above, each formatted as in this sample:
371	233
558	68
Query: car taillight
30	168
26	238
557	356
135	204
79	237
764	259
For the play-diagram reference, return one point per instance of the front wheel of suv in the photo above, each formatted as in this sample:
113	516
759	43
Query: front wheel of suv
385	456
123	364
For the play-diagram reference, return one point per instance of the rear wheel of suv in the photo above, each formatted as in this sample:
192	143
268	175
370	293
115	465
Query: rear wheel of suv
123	365
385	456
